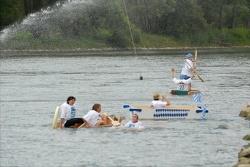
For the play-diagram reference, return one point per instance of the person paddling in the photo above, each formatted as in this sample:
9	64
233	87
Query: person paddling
187	68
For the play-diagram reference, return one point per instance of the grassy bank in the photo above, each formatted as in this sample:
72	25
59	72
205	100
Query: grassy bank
216	38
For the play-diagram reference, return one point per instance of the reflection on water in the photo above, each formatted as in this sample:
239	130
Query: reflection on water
32	86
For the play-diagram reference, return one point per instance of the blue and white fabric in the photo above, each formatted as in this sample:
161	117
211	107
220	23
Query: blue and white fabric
204	108
197	97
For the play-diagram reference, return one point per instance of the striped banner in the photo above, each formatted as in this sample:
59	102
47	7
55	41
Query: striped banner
197	97
204	108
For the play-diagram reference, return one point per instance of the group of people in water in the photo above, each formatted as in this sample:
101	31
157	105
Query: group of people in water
94	119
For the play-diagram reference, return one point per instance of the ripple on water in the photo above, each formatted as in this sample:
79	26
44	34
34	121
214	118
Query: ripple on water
31	88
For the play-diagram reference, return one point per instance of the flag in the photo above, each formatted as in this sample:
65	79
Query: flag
204	108
197	97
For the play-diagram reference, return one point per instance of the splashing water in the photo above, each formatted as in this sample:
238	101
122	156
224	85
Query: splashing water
47	20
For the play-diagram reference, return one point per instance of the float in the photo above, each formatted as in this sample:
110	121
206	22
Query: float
112	120
170	112
184	92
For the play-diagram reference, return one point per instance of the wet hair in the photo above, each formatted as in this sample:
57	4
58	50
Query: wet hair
70	98
136	116
96	106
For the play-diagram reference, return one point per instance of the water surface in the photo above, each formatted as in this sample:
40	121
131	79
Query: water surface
34	83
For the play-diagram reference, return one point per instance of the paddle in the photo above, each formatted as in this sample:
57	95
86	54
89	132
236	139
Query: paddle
82	125
195	72
195	57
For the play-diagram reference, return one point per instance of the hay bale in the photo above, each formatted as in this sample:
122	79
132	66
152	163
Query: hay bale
244	153
245	111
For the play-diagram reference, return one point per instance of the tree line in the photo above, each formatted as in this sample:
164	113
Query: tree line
13	10
197	22
178	17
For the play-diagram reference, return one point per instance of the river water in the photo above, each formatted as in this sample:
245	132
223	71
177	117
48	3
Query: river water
34	83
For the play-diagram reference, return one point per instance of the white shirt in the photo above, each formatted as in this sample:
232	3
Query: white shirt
138	124
186	69
67	112
158	104
92	117
182	84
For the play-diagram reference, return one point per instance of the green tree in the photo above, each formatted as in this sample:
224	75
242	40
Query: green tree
187	18
14	10
10	11
148	14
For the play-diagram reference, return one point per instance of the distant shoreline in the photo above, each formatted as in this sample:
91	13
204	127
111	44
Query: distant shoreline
126	49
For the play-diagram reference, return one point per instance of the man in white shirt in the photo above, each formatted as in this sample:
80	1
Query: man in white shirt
94	118
182	84
187	68
134	122
68	113
157	103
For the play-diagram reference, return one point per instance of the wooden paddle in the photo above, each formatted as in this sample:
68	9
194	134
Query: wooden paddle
195	72
195	57
82	125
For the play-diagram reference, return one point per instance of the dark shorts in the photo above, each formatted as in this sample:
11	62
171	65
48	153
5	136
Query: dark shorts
184	77
73	121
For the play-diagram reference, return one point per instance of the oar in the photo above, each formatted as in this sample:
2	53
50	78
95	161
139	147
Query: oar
199	76
82	125
196	72
195	57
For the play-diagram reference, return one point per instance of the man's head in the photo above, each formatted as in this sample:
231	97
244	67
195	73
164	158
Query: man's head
97	107
71	100
156	96
189	56
135	118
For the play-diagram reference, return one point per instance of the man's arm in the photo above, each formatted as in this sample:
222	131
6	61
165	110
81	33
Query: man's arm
166	99
86	122
61	122
172	73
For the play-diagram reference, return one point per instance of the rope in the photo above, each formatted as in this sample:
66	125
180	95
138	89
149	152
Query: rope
132	38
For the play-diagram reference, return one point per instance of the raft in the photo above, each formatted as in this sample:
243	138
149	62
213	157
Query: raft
55	122
184	92
170	112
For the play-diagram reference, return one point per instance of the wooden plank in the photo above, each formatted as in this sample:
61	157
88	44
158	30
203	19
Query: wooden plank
184	92
193	92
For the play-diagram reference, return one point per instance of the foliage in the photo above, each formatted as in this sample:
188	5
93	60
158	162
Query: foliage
188	21
9	13
14	10
157	41
216	37
107	23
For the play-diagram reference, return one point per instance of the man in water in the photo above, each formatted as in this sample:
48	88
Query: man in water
134	122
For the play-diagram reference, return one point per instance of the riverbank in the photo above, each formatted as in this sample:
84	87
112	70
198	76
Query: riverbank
212	49
244	154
